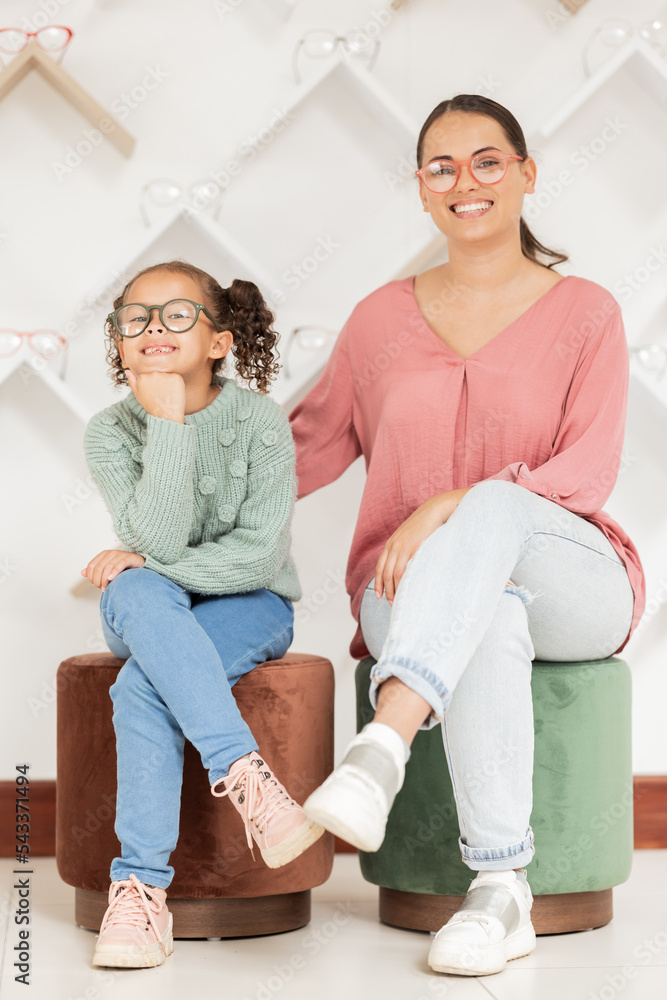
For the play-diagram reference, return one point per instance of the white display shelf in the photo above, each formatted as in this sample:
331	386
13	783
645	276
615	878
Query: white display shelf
284	194
178	233
638	58
58	387
367	137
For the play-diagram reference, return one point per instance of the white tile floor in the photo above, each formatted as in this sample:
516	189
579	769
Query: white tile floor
353	955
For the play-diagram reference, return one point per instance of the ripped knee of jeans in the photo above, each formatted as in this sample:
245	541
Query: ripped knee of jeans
522	592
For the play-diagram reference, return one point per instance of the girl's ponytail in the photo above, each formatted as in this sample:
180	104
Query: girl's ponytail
254	336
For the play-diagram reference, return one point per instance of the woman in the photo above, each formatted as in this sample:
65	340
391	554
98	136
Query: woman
488	396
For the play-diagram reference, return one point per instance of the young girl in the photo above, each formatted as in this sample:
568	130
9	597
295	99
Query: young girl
198	475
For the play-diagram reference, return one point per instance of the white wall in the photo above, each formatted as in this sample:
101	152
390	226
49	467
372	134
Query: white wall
224	74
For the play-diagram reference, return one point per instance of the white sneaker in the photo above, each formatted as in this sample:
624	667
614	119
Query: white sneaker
355	800
491	928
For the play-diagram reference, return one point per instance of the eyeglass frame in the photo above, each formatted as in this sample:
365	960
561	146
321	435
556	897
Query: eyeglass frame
113	317
293	337
467	163
635	29
337	40
29	334
658	372
33	34
183	192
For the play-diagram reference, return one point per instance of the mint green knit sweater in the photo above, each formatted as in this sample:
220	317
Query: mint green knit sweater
208	503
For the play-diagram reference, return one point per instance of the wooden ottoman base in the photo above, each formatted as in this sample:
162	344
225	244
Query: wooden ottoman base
208	918
560	913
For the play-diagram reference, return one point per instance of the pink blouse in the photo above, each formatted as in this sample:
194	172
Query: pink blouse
543	405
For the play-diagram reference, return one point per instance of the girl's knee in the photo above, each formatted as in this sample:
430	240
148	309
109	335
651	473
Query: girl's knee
134	585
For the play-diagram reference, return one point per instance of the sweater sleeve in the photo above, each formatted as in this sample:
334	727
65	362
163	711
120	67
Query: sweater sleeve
252	553
151	503
325	438
582	469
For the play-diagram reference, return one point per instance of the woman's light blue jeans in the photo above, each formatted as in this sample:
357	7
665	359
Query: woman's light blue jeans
183	653
509	578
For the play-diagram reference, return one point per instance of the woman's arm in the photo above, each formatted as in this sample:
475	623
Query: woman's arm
407	538
252	553
325	438
583	466
151	501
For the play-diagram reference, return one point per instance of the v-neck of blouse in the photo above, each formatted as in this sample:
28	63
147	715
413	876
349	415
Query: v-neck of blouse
525	313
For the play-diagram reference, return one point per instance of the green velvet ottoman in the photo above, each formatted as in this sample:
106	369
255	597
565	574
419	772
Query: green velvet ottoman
582	807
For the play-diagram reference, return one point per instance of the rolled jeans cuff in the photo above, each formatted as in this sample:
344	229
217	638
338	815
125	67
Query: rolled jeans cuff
425	684
498	859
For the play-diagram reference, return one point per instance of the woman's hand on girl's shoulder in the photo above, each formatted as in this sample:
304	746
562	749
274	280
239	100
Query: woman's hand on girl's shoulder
407	538
103	567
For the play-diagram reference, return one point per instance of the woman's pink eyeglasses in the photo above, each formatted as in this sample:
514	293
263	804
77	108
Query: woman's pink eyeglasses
488	167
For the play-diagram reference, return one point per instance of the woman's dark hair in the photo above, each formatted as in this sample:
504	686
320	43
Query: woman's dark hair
475	104
239	308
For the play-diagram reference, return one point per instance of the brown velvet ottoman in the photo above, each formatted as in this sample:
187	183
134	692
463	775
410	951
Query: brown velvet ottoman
217	890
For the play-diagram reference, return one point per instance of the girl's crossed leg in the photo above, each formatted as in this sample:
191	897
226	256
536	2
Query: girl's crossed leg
183	652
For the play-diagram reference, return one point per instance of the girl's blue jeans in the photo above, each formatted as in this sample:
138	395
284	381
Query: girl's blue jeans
509	578
183	652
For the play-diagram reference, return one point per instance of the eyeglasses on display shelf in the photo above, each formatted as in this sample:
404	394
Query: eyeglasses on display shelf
53	38
322	44
46	344
305	338
652	357
163	193
614	32
489	167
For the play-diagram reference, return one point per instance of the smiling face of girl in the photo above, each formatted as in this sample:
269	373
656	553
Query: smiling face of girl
190	354
461	135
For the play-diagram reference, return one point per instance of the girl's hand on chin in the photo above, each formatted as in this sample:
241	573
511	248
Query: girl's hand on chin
103	567
162	394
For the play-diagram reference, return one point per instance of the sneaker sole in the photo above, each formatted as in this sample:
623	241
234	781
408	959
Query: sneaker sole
118	956
292	846
493	960
323	809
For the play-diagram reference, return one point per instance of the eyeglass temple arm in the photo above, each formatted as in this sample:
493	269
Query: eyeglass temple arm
374	55
587	47
63	363
143	212
295	61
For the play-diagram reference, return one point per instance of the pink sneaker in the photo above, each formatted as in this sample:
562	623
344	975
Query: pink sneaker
278	824
136	932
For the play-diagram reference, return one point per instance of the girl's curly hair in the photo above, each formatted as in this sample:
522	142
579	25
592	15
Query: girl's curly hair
239	308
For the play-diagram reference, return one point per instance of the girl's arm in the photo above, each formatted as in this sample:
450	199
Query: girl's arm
252	553
325	437
582	469
148	491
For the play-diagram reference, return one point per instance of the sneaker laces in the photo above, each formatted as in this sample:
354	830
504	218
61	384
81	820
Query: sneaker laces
261	794
131	904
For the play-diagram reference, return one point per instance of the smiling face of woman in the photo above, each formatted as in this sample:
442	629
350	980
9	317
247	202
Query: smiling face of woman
459	136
